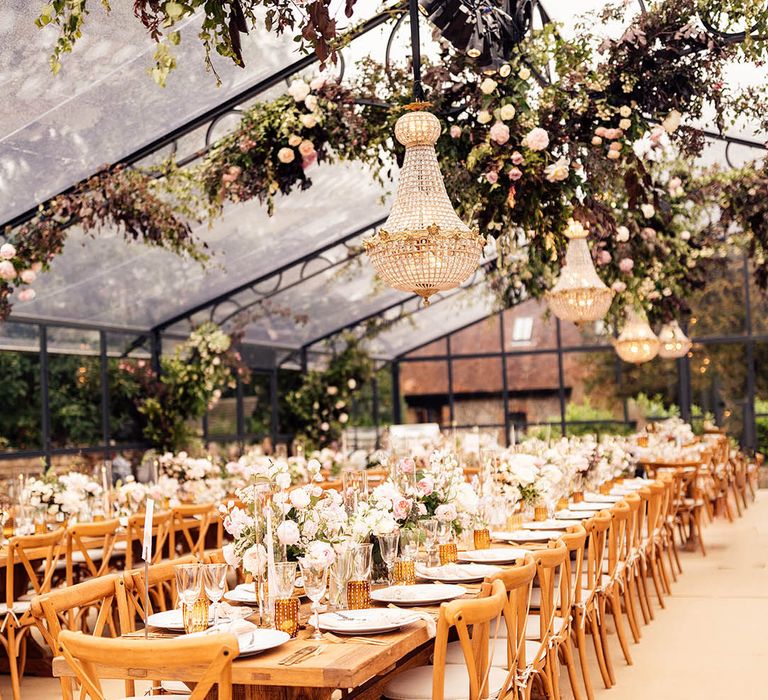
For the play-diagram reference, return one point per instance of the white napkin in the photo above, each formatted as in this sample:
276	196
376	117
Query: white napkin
239	628
422	615
457	572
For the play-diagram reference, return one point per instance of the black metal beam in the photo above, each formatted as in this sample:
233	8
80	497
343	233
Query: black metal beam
45	404
245	286
560	375
104	374
396	415
226	106
504	380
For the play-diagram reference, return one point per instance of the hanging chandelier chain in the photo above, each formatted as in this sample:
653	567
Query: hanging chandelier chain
418	89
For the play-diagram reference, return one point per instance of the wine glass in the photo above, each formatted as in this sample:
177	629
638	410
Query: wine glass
428	528
388	546
363	558
215	581
187	589
285	578
409	543
315	575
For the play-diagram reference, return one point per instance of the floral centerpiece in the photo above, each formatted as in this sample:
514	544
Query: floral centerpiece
69	495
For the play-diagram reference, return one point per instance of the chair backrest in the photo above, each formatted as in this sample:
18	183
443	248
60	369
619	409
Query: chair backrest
555	586
134	533
83	540
597	530
37	557
635	503
656	506
206	660
162	591
472	619
618	543
189	528
575	539
518	581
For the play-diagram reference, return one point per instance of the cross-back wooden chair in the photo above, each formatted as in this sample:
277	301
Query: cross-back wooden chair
30	569
90	549
475	622
591	611
54	608
207	660
615	564
631	568
653	495
189	529
134	535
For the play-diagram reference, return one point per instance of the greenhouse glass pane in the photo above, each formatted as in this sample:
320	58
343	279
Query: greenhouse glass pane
104	280
103	105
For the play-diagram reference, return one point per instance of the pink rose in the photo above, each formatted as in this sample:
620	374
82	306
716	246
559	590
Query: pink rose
626	264
515	174
317	82
28	276
27	294
425	486
536	139
603	257
517	157
455	131
401	508
492	176
648	233
500	133
306	147
37	266
618	287
7	270
308	160
600	131
7	251
232	174
407	466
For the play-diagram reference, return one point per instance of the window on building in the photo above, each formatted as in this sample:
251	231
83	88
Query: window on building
522	329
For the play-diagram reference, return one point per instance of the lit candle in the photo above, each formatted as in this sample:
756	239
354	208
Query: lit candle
512	436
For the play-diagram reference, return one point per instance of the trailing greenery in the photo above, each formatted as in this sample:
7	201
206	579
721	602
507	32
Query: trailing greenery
321	404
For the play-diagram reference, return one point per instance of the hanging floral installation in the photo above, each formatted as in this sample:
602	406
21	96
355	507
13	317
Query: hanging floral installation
221	26
118	198
588	128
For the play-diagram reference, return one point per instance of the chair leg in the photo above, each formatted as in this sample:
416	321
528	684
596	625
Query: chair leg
663	571
677	556
656	580
642	590
581	642
12	662
553	666
547	683
669	556
630	606
570	666
736	499
599	650
697	525
602	627
619	622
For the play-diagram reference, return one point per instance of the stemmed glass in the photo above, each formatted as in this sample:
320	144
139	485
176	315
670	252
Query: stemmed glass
362	554
215	581
315	575
388	546
188	590
429	530
285	578
409	543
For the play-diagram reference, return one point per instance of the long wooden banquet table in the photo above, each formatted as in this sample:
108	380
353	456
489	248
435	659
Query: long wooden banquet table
359	668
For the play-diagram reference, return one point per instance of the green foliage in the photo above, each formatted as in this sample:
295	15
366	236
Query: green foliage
761	406
582	419
654	407
321	405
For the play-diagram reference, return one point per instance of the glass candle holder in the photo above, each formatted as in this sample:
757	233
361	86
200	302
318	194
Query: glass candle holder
359	595
404	572
578	496
619	480
449	553
515	521
540	514
287	615
195	616
562	504
482	538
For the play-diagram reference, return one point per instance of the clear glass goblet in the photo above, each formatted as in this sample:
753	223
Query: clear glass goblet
315	576
388	543
215	582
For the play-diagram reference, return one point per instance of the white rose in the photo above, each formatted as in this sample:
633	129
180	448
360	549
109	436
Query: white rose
299	498
557	171
622	234
286	155
283	480
311	102
672	121
484	116
7	251
625	124
648	210
625	111
294	140
255	559
228	550
685	235
317	83
7	270
309	120
288	533
299	90
343	418
488	86
352	384
537	139
524	73
507	112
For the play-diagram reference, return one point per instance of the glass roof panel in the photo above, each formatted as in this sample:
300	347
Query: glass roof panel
103	105
104	280
448	313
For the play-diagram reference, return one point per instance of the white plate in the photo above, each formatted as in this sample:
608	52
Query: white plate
600	498
455	573
575	515
260	640
245	594
550	524
585	506
171	620
528	535
367	621
420	594
495	555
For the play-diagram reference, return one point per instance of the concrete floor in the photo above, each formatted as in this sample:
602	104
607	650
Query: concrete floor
708	644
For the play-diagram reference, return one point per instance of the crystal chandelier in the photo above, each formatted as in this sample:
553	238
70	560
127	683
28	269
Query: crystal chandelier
637	343
579	294
423	247
674	342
